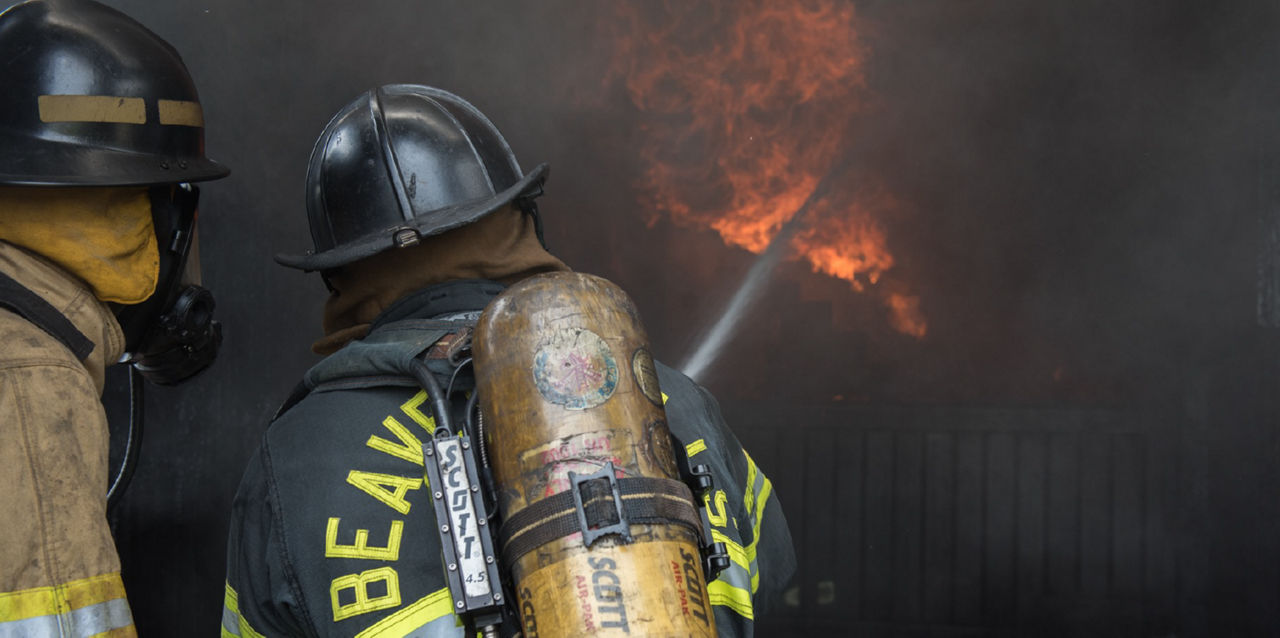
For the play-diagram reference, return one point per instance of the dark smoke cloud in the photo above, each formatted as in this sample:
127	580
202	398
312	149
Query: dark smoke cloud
1081	188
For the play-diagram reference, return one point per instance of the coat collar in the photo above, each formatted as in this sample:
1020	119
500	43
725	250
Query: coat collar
401	333
73	298
468	296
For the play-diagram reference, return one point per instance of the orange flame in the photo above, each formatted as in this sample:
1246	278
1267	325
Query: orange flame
749	105
845	246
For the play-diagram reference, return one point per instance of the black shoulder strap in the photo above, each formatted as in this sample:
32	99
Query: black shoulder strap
18	298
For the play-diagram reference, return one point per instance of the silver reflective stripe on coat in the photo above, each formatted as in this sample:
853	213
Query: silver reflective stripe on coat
230	622
78	623
446	627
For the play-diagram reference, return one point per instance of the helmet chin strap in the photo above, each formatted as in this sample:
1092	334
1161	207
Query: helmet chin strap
529	207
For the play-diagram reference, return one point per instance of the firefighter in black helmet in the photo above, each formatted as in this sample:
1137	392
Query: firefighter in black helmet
420	215
101	137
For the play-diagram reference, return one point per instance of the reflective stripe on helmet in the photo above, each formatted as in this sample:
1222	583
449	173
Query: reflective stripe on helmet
92	108
180	113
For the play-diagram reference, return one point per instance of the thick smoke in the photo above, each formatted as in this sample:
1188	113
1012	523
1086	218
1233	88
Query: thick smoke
1080	189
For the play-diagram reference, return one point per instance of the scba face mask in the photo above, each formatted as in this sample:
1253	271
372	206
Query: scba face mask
172	336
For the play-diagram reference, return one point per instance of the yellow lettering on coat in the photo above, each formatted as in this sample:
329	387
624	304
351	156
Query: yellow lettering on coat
411	408
409	448
361	548
376	485
715	512
359	585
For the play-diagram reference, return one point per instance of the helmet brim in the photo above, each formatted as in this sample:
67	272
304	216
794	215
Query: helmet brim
426	225
52	163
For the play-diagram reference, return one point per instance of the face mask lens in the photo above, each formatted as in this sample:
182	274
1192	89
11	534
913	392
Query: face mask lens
191	270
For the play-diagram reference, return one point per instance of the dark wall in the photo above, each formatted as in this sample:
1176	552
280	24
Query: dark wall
1087	192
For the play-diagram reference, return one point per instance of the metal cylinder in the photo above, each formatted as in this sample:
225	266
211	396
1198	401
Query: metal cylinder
567	384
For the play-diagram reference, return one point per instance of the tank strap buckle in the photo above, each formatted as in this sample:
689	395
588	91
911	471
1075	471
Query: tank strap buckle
591	494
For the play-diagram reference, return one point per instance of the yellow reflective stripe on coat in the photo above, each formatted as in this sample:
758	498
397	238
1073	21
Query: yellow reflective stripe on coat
234	624
759	487
724	594
737	554
123	632
734	587
693	448
80	608
429	617
749	496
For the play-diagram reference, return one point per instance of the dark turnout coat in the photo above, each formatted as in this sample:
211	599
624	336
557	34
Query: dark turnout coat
333	533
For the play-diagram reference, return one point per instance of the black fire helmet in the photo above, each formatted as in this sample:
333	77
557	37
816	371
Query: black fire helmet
92	98
402	162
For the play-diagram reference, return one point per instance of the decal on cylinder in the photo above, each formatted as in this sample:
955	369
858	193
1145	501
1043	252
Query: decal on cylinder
657	444
575	369
545	469
614	594
528	617
646	375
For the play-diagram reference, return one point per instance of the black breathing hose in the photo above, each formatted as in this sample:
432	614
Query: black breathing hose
439	404
475	427
133	444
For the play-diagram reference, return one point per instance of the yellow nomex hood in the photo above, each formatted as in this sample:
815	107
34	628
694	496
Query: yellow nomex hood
104	236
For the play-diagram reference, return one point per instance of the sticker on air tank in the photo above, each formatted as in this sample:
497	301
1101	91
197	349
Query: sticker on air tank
575	369
656	447
545	469
643	589
646	375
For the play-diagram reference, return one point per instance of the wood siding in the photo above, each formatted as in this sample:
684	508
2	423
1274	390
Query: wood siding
958	522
